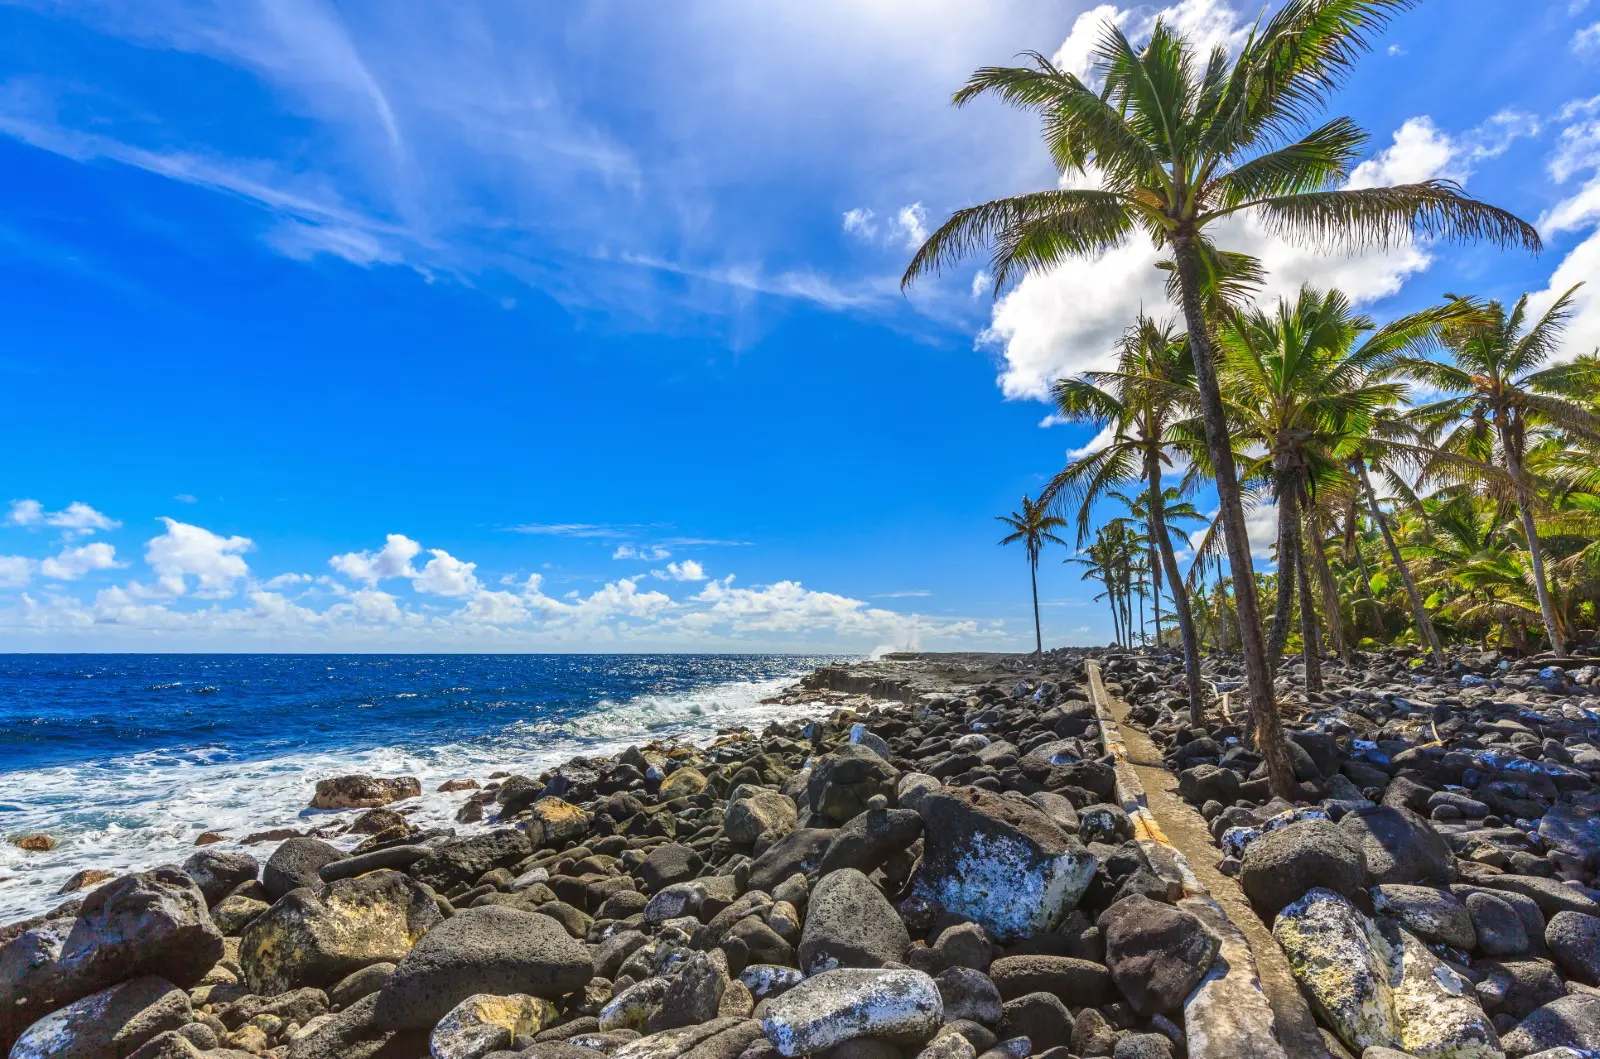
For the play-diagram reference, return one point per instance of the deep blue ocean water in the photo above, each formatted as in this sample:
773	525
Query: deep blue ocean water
125	759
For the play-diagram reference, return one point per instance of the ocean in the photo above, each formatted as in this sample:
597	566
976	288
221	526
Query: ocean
126	759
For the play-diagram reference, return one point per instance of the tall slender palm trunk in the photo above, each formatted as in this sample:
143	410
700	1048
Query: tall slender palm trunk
1180	595
1038	638
1425	629
1288	563
1547	607
1310	637
1331	610
1155	585
1263	705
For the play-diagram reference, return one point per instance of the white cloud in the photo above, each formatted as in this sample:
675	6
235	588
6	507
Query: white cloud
1578	153
15	571
375	605
186	551
688	570
981	282
571	529
446	575
77	519
859	222
392	560
649	552
911	224
187	498
1104	438
914	593
74	563
1395	49
1261	524
1587	39
1206	24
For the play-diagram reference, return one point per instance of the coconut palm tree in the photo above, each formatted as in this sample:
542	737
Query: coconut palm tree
1178	142
1501	400
1138	400
1035	527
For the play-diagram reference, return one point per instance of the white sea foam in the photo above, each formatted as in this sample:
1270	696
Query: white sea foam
135	812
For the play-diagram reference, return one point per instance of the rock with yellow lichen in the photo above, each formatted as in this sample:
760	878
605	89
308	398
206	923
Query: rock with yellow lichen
1378	989
484	1023
552	821
316	937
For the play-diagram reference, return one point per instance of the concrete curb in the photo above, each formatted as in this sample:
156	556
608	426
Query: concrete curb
1228	1014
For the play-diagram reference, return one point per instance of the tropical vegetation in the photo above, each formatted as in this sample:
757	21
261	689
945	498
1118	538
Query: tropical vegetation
1433	478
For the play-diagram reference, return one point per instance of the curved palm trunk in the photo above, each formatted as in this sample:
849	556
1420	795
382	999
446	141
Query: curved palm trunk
1263	705
1547	608
1426	632
1180	595
1155	585
1288	563
1038	639
1332	611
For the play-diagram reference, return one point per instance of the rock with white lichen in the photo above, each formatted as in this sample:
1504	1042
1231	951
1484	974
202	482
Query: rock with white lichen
1000	862
837	1006
484	1023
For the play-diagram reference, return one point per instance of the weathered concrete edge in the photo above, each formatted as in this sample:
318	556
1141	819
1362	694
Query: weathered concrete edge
1228	1014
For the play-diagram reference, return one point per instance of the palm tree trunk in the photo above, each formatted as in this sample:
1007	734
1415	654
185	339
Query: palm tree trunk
1180	595
1332	611
1144	634
1038	639
1547	609
1425	630
1310	638
1288	556
1155	587
1263	705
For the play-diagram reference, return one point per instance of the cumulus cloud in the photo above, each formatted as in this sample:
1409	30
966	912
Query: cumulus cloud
688	570
392	560
73	563
1576	157
184	552
75	520
15	571
446	575
859	222
911	225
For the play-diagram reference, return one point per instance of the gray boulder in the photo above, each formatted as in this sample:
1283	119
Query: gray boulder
1400	846
295	864
837	1006
463	860
843	782
1574	941
849	923
1568	1022
107	1024
800	850
868	841
317	937
489	949
757	811
219	872
969	994
1282	865
1434	915
1156	953
1000	862
1496	925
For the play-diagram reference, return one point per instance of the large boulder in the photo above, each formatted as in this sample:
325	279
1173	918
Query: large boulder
489	949
757	811
483	1023
552	821
1574	941
1156	953
721	1038
1429	913
849	923
317	937
1400	846
352	1034
109	1024
867	842
148	923
837	1006
800	850
1567	1022
1380	987
464	860
364	792
219	872
668	863
297	863
1000	862
1282	865
1087	983
843	782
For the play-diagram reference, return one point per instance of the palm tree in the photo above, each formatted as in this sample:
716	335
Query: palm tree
1035	527
1179	142
1499	396
1139	400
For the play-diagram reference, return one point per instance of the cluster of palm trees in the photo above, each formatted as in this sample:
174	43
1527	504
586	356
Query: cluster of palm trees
1489	497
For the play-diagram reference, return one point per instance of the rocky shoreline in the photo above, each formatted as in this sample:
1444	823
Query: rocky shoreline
932	863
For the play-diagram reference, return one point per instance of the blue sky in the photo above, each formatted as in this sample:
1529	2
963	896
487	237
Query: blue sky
479	326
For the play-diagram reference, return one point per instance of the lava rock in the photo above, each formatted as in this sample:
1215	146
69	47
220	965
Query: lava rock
104	1025
1400	846
849	923
364	792
219	872
295	863
1157	954
1281	865
837	1006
